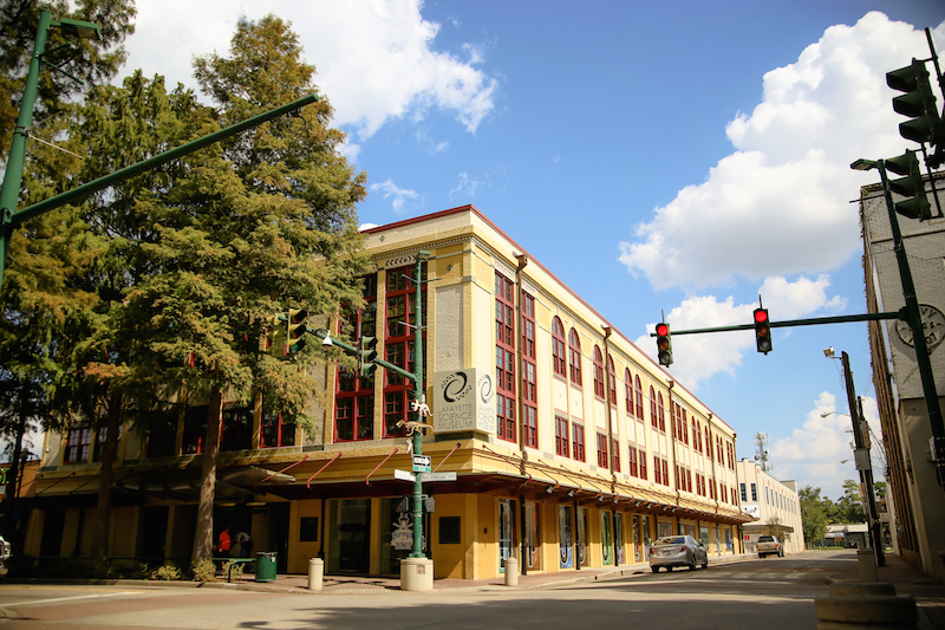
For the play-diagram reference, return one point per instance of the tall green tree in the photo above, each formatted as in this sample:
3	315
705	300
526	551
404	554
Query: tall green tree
815	511
38	296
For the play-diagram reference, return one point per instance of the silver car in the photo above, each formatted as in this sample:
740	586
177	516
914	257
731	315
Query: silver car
677	551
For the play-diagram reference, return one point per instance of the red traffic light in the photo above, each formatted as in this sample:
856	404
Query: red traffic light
662	330
761	316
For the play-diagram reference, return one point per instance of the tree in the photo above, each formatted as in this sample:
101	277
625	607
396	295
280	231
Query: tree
849	507
814	514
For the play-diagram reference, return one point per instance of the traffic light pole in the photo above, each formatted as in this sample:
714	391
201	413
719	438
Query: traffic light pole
839	319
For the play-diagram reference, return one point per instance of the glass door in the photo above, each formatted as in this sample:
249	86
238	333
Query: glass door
506	531
565	538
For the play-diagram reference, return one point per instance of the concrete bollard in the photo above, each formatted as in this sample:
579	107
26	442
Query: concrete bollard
416	574
511	571
865	605
866	560
316	571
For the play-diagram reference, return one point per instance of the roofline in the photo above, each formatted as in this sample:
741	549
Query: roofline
533	260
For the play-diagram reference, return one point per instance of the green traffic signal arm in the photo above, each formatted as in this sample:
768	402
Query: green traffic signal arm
135	169
355	352
839	319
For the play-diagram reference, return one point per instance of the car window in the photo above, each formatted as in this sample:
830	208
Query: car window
671	540
765	538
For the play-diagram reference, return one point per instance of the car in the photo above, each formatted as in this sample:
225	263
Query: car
769	546
677	551
5	552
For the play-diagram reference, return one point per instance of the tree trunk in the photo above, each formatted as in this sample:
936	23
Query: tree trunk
203	536
13	474
106	480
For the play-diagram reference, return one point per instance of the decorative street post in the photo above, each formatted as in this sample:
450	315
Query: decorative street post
419	400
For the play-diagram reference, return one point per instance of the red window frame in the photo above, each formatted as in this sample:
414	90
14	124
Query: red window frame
601	450
615	454
642	459
559	349
505	358
661	413
628	387
612	380
578	442
400	330
562	436
78	443
354	395
653	413
574	357
598	373
639	389
276	430
529	372
633	467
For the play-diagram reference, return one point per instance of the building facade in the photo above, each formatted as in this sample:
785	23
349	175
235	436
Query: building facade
918	500
571	448
773	505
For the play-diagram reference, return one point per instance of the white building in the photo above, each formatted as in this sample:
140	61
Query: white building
773	504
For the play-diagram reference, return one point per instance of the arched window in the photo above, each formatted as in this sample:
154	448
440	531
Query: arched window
661	413
628	385
598	373
653	419
574	357
639	389
612	380
558	348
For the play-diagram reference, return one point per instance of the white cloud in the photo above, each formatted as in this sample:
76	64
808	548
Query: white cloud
389	189
698	357
819	453
778	205
375	58
467	186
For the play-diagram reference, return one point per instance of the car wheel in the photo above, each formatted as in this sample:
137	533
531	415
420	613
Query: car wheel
692	565
655	569
705	561
781	554
670	569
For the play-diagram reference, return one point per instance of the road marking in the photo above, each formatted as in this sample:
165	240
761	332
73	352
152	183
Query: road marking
57	600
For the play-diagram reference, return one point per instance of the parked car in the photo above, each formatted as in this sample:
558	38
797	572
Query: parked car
677	551
769	546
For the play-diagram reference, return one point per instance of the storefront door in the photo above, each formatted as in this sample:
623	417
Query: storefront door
349	549
565	538
506	531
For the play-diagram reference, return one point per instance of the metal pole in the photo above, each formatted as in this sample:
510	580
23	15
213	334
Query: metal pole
865	481
418	394
918	332
13	178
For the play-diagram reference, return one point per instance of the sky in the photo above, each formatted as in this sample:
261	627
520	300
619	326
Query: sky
658	157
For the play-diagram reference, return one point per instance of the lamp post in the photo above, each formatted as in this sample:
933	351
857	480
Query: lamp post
861	455
13	177
914	320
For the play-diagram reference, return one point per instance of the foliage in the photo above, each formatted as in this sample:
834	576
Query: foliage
815	513
167	571
203	570
233	569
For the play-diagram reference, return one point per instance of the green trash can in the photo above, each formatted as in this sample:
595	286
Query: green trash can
266	566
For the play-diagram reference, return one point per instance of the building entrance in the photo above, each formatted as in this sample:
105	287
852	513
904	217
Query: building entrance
349	541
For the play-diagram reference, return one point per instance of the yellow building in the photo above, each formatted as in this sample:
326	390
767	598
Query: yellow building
561	457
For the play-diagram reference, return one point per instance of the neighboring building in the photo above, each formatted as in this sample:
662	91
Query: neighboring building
774	506
918	501
571	446
854	535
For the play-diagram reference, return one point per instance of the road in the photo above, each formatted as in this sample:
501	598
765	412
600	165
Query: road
776	593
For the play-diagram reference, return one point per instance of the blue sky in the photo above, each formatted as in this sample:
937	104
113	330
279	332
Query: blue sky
677	156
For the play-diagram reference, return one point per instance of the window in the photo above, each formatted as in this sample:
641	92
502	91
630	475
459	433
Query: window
602	450
558	348
615	453
612	380
100	443
628	387
400	342
354	395
639	389
661	470
653	419
754	493
642	459
561	436
684	425
744	492
660	412
78	442
633	467
574	357
529	372
579	442
505	358
598	373
237	428
277	430
195	429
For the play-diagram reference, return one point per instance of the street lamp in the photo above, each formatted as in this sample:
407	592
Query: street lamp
13	177
861	454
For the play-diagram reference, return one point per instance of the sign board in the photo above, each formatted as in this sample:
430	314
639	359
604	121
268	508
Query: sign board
421	463
438	476
464	400
403	475
751	510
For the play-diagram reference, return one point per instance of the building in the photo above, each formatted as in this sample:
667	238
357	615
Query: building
854	535
563	458
918	500
774	506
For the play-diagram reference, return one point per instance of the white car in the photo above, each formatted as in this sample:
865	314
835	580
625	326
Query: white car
677	551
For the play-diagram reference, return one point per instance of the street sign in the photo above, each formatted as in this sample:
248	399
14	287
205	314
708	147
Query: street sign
403	475
439	476
421	463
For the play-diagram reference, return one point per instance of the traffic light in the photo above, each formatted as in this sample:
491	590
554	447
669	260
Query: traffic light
912	186
295	330
367	356
918	103
664	345
275	336
762	330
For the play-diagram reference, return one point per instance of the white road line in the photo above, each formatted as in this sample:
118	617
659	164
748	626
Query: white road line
57	600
